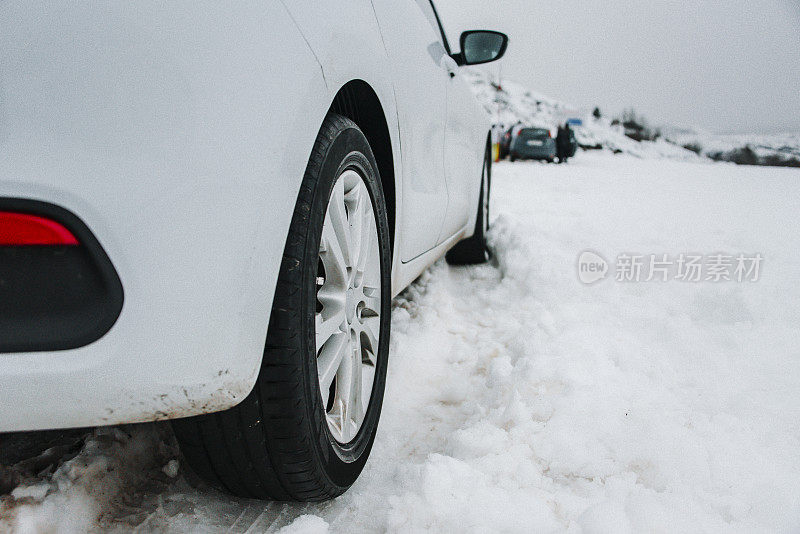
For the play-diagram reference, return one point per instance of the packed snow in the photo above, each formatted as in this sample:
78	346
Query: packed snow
520	399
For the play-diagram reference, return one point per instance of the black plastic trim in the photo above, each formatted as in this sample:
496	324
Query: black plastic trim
56	297
441	29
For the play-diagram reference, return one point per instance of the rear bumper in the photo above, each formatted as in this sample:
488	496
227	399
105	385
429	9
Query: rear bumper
184	160
545	151
186	338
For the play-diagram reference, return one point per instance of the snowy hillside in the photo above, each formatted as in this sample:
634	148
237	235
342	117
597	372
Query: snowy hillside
513	102
779	149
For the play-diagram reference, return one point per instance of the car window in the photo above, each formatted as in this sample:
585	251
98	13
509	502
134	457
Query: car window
534	132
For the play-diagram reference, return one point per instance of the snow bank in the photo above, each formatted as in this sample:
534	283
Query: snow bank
104	479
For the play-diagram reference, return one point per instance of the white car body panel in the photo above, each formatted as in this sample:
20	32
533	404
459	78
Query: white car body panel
465	131
179	133
423	92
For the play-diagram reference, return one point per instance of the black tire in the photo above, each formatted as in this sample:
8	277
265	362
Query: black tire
276	444
474	250
513	158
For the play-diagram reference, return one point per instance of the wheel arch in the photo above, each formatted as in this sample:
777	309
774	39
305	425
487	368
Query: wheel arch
357	101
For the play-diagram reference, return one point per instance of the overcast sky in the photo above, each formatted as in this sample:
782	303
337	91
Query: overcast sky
726	66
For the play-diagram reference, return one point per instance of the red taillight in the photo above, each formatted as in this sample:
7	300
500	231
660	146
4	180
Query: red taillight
24	229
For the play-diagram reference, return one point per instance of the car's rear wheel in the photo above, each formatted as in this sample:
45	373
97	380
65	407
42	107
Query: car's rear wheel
305	431
475	249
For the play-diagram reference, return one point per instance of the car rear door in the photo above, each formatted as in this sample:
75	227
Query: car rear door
466	134
415	49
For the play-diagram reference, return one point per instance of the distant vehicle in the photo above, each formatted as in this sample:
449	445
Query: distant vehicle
533	143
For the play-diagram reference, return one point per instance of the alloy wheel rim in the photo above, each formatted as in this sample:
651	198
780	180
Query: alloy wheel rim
347	319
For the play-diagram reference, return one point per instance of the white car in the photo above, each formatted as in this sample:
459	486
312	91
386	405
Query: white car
206	208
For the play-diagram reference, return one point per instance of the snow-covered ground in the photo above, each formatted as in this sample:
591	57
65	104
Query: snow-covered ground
521	400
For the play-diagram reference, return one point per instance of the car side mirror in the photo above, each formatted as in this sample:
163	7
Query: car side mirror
481	46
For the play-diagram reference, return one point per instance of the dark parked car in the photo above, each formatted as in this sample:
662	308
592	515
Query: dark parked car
533	143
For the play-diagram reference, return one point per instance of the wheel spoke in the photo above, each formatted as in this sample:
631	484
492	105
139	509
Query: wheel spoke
368	367
368	362
366	244
372	302
370	328
330	359
356	408
344	389
332	253
357	223
325	328
340	224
